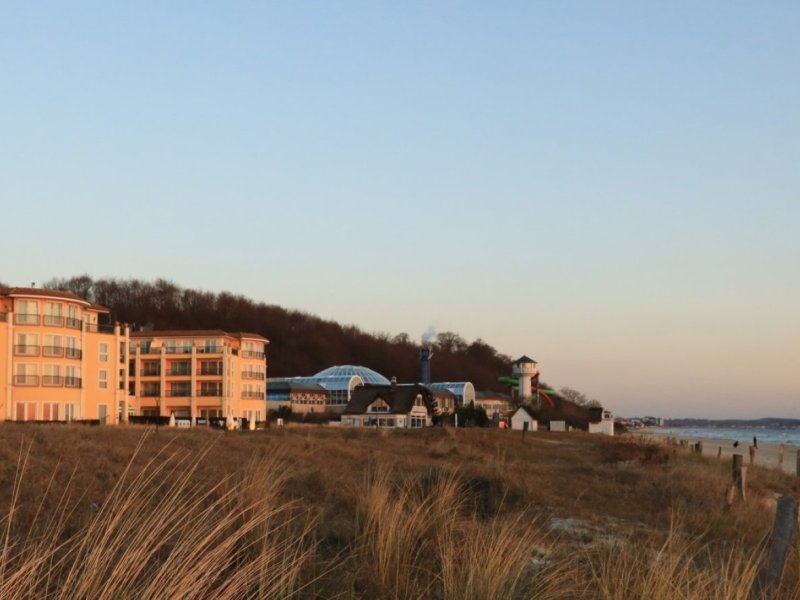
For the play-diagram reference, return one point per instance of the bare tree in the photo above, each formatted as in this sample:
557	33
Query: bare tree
573	395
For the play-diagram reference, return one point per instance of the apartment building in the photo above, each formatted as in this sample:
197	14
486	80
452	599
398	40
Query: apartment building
58	362
198	374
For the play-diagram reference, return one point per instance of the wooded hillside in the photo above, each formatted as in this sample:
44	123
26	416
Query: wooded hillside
300	343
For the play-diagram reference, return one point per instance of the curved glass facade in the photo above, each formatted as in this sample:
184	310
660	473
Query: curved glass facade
464	391
366	375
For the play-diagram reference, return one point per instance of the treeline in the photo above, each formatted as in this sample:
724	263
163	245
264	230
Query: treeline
300	343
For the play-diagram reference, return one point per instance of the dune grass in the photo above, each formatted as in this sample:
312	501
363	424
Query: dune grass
319	513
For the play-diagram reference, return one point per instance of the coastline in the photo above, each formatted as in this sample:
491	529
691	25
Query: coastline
767	455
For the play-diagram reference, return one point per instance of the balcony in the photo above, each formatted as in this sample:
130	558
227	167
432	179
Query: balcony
52	351
252	354
73	323
26	350
211	370
151	372
150	350
72	382
151	393
210	350
73	353
96	328
182	372
23	319
54	320
52	380
179	393
210	393
252	375
26	380
253	395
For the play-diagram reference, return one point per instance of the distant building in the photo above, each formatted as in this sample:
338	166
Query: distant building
496	404
198	374
463	391
58	361
392	406
298	397
524	418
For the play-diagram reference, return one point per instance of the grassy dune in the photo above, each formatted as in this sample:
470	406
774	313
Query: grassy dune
326	513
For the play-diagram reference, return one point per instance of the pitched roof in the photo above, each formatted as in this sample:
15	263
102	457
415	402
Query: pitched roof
196	333
46	293
295	386
524	359
400	398
531	413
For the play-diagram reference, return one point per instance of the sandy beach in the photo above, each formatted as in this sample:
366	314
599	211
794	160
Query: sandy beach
767	455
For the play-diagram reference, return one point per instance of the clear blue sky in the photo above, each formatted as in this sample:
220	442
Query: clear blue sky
611	188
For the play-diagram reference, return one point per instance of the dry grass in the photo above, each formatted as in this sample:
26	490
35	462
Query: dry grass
315	512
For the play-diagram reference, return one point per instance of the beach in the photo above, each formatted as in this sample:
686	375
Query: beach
766	455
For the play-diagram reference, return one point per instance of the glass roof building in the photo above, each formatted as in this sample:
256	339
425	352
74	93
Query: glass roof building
464	391
340	381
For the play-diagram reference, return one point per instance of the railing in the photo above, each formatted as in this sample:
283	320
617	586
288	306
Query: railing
72	382
23	319
252	375
151	393
54	320
210	393
179	393
252	354
52	351
73	352
96	328
52	380
73	323
26	350
211	370
180	372
151	372
210	350
150	350
26	380
253	395
177	350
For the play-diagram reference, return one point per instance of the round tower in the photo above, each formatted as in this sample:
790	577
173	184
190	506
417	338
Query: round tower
525	369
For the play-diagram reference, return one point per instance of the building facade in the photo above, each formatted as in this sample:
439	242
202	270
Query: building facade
198	374
58	362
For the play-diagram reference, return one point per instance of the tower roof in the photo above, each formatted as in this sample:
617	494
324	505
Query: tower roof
523	360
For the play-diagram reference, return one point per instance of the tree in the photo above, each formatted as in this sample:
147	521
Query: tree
573	395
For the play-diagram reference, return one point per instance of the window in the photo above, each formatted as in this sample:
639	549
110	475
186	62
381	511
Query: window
50	411
73	317
26	411
27	312
103	379
52	346
26	374
70	412
103	352
51	376
53	314
418	401
27	344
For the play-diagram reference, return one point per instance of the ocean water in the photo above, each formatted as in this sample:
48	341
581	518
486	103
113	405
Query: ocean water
744	435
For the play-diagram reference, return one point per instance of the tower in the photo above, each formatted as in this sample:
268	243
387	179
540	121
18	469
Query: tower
525	369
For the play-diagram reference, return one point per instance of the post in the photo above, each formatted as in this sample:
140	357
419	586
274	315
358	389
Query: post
719	453
798	463
769	576
752	450
698	447
738	481
780	457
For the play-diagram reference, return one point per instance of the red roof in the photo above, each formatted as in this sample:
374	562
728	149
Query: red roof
45	293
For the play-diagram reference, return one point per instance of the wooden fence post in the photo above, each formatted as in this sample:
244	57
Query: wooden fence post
699	447
798	463
783	531
719	453
738	481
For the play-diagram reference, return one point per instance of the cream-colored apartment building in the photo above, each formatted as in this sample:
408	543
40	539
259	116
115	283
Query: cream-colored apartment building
57	361
198	374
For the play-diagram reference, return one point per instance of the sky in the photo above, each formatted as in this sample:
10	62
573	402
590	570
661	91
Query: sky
610	188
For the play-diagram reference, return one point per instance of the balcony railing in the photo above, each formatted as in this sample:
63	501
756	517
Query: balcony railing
211	393
178	350
150	349
151	393
72	382
252	375
252	354
26	380
97	328
73	352
54	320
26	350
52	351
253	395
73	323
178	393
211	370
180	372
23	319
52	380
210	349
151	372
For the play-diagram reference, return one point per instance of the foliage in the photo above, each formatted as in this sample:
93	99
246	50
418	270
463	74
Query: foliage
161	304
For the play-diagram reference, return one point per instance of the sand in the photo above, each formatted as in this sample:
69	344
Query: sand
767	455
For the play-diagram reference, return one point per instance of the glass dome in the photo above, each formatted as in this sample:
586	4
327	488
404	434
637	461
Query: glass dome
367	375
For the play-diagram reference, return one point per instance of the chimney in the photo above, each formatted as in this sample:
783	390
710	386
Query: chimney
394	383
425	355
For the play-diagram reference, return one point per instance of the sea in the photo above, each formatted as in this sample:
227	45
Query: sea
767	435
